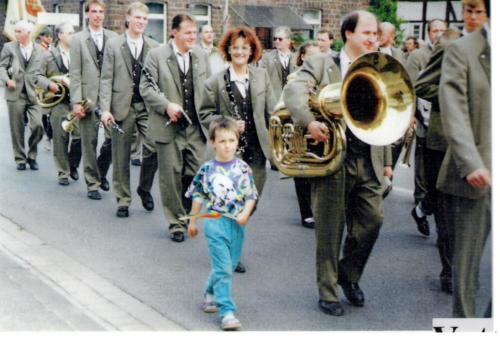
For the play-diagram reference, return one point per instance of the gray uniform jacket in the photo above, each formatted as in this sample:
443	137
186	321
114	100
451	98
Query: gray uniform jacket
216	102
117	84
162	64
52	64
12	67
271	62
465	102
84	70
417	61
322	70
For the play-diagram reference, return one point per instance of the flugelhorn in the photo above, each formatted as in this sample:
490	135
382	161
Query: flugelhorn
68	125
376	101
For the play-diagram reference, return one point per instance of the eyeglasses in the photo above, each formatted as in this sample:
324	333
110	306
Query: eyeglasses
278	38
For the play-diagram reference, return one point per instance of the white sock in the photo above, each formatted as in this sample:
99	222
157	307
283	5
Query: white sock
209	297
419	211
229	315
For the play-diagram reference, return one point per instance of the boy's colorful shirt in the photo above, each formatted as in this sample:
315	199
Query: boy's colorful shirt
223	186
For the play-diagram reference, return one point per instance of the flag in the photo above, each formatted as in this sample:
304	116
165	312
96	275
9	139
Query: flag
19	10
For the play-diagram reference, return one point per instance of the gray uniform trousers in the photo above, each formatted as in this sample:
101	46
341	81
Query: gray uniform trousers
178	162
89	128
137	119
63	159
16	120
327	197
364	215
469	223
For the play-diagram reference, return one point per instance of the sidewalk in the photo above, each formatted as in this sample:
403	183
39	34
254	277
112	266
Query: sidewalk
43	289
29	304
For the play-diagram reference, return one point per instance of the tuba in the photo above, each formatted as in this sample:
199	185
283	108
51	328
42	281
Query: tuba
376	101
47	99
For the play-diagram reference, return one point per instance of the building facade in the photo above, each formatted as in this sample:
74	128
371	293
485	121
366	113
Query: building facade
306	15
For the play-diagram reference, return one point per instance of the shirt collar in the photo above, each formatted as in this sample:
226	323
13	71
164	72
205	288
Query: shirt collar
238	78
178	52
386	50
96	33
134	41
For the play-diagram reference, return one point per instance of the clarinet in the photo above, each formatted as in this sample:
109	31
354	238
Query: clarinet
98	112
156	88
235	114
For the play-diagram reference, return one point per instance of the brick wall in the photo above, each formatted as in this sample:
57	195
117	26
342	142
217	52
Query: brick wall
332	10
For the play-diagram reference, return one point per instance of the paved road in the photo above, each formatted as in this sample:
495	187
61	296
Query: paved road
278	292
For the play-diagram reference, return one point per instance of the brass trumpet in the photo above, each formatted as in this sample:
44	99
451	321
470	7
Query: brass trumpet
376	101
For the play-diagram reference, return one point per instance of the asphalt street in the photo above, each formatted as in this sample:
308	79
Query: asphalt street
278	292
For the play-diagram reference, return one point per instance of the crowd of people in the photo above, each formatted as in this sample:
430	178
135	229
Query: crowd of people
198	114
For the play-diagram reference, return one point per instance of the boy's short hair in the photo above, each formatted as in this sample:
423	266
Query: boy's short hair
223	122
89	3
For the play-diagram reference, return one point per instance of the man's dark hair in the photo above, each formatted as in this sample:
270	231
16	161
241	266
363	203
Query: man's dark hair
326	31
180	18
349	23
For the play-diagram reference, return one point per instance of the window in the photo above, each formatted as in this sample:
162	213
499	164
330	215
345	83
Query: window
57	8
313	17
416	30
202	14
157	22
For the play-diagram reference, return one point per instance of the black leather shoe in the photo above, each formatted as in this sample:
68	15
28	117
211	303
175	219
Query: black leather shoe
331	308
177	236
33	164
308	223
73	173
353	293
63	181
94	195
104	184
422	224
122	212
446	285
136	162
21	167
147	199
240	268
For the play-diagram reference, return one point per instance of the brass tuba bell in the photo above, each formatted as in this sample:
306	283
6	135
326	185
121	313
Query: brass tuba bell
376	100
47	99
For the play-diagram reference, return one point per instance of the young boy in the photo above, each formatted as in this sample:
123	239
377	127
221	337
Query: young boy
225	185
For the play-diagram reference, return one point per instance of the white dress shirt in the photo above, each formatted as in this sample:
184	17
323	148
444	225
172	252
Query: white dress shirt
284	58
27	50
345	63
241	81
182	59
98	38
64	56
135	46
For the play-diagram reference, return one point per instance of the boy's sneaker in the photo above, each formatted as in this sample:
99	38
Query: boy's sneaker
230	323
209	305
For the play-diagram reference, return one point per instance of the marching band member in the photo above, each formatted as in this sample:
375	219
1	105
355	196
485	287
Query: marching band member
465	175
172	93
86	57
357	188
121	101
56	62
20	63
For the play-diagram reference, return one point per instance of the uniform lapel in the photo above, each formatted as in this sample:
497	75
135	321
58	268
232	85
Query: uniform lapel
484	57
254	90
126	55
91	47
225	95
174	69
20	56
278	65
33	55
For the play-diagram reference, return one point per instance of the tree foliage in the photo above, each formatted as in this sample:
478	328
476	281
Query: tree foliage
387	10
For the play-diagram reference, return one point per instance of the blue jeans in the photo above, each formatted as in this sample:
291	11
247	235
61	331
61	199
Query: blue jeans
225	242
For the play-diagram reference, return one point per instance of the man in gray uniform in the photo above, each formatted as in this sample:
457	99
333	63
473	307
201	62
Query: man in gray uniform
86	54
20	63
172	93
357	188
465	175
121	101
